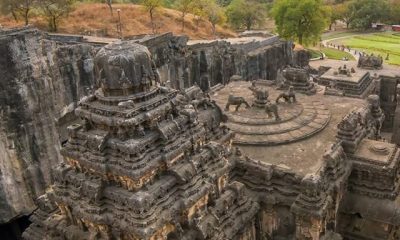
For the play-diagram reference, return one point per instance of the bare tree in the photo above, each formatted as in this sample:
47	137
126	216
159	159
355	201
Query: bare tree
151	6
54	10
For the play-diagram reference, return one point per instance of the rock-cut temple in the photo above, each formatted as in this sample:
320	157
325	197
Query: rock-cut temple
148	162
270	153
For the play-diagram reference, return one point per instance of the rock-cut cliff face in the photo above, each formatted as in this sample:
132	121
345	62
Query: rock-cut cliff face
40	82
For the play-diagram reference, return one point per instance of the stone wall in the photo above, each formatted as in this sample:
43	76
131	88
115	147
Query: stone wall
388	97
217	61
293	206
276	188
182	63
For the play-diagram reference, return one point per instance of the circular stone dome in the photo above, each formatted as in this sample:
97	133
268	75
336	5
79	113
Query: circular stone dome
123	68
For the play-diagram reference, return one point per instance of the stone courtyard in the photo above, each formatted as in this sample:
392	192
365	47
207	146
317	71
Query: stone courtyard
299	139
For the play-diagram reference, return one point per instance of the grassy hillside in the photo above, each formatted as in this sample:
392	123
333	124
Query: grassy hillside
88	18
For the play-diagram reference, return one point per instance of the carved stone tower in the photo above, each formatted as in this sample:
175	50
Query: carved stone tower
147	162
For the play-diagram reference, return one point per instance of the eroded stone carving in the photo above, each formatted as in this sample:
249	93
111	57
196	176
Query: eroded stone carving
370	61
272	109
261	95
236	101
289	96
121	65
298	78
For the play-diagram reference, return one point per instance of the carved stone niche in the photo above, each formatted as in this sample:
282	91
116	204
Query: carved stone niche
298	78
124	68
374	103
370	62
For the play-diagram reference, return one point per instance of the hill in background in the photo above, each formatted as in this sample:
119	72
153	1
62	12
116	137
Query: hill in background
95	19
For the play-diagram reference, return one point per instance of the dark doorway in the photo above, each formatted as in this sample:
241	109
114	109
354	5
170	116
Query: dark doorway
13	230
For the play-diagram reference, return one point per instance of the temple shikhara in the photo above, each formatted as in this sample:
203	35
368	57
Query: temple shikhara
148	162
161	138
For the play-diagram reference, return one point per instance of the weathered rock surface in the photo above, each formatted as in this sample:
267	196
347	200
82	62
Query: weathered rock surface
301	58
40	82
184	63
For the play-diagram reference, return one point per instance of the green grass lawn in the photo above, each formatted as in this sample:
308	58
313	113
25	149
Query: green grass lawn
336	54
330	53
314	53
378	44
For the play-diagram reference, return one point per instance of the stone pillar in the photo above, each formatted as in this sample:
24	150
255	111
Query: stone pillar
396	122
309	209
186	77
268	221
308	228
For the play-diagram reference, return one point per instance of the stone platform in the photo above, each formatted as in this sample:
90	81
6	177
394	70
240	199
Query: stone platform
299	120
302	153
357	84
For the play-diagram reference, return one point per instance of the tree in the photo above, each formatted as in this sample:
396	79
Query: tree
24	7
246	13
109	4
334	15
395	13
345	12
151	6
366	12
200	11
302	21
215	14
184	6
224	3
54	10
18	8
8	6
